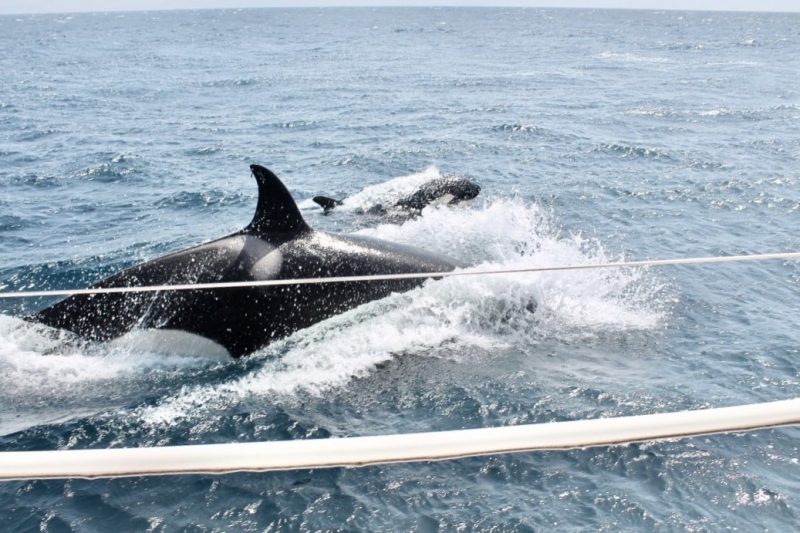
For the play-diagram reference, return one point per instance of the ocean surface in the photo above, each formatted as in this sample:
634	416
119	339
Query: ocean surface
595	135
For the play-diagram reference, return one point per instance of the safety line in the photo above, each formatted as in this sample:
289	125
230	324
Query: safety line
402	448
390	277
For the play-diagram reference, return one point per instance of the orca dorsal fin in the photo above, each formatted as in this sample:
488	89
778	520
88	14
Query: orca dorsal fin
326	203
276	210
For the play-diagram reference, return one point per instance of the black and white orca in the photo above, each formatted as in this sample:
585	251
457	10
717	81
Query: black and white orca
445	190
277	244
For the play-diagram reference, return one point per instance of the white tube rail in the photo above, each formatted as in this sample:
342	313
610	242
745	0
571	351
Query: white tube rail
372	450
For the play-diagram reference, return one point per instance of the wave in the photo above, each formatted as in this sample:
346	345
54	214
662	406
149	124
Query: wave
202	199
295	124
748	114
634	151
31	179
518	128
749	42
33	134
659	112
625	57
204	150
682	45
758	113
12	222
231	82
118	167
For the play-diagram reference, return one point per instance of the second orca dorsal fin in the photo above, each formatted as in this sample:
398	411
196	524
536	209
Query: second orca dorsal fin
326	203
276	210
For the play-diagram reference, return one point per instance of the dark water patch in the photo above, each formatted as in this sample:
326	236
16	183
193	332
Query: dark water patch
632	151
203	151
203	199
326	145
74	102
79	270
129	130
118	168
106	173
353	160
531	129
44	181
295	125
121	93
14	243
74	62
749	42
59	275
481	110
416	29
701	164
772	146
33	134
464	82
234	82
11	222
657	112
683	46
111	428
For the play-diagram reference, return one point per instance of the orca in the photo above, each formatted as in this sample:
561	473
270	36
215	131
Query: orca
276	244
446	190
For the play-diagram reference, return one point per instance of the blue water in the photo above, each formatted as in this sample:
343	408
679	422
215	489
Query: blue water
596	136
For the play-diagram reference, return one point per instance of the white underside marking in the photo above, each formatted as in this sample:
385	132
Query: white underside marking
172	341
443	200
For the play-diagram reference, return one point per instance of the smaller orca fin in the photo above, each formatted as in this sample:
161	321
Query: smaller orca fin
276	210
326	203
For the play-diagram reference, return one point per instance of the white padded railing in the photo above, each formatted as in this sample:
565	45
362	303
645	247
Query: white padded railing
364	451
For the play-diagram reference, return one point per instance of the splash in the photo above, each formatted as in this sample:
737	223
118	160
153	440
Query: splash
452	317
510	234
48	374
385	193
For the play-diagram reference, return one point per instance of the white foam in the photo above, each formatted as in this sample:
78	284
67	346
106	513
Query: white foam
510	234
32	355
48	374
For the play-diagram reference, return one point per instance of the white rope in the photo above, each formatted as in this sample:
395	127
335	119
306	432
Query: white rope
412	275
363	451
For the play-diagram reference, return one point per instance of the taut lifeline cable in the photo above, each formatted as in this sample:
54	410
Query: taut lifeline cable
411	275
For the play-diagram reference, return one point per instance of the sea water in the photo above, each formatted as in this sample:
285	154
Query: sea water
595	135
